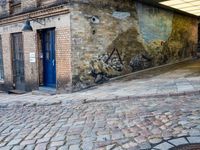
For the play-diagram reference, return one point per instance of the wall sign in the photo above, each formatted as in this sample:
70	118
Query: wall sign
32	57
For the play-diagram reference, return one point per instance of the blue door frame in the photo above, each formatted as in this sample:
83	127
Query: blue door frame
49	61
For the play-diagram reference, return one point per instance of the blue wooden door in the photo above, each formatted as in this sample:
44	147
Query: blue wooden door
49	61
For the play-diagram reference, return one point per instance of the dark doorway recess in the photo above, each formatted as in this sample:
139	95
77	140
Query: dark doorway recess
18	61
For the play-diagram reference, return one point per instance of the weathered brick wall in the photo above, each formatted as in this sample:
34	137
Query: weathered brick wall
31	68
63	59
6	47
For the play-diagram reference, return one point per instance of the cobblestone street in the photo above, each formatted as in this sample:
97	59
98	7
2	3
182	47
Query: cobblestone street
128	124
135	123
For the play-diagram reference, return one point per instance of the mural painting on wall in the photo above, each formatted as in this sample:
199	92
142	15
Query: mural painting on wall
168	37
151	37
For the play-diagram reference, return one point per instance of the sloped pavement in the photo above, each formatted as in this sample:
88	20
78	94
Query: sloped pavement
173	80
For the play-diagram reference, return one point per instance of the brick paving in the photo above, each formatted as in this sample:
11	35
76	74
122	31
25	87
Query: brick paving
62	123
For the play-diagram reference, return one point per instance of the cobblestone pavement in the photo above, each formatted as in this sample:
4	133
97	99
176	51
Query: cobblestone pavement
128	124
131	121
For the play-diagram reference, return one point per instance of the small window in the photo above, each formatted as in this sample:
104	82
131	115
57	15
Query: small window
15	6
1	61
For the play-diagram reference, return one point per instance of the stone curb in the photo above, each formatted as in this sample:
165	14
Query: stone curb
26	104
132	97
85	101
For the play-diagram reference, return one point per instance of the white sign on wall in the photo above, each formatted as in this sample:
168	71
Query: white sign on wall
32	57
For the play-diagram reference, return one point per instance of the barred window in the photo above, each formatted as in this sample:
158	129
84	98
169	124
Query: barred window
15	6
1	61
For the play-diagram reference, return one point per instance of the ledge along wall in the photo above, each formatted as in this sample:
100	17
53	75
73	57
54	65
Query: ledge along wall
145	37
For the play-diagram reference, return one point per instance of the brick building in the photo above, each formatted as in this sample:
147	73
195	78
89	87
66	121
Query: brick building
78	43
37	58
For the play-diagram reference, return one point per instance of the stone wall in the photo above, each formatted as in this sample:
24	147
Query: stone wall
144	37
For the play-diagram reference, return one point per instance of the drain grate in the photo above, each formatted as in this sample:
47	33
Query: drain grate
187	147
